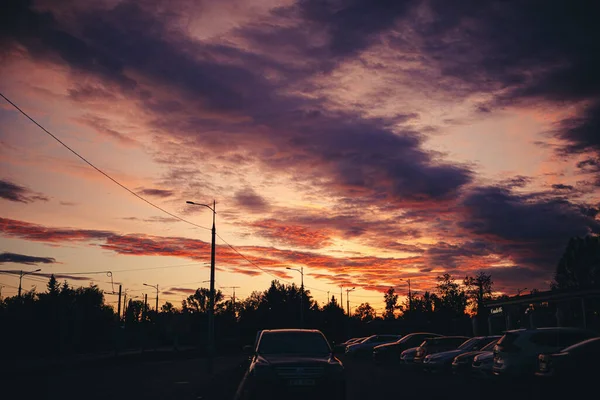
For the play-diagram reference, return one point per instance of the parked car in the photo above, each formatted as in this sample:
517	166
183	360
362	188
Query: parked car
437	345
390	352
442	361
483	364
462	364
365	348
407	357
293	362
341	347
577	364
516	353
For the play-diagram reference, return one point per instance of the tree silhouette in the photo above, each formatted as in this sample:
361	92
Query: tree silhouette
391	303
579	266
478	290
199	301
365	312
168	308
452	299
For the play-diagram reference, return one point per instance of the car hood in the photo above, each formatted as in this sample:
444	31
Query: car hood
284	359
387	346
485	355
469	354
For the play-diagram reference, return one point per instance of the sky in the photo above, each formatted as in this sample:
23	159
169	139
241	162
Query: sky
368	142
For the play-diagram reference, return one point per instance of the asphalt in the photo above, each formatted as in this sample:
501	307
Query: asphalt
186	378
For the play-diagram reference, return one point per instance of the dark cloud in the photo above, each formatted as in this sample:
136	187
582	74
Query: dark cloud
67	203
164	193
355	154
353	25
249	200
506	279
24	259
531	230
451	256
66	276
12	192
560	186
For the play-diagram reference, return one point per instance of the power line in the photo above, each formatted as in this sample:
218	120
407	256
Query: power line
99	170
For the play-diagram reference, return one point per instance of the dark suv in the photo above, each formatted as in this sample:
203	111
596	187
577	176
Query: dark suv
437	345
289	363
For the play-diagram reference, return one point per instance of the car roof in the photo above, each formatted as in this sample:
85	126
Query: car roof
581	345
290	330
548	328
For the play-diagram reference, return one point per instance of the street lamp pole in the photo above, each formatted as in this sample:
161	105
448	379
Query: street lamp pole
348	299
211	298
301	270
21	275
155	287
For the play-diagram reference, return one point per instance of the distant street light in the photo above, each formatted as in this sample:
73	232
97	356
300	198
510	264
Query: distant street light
301	270
21	275
348	299
211	297
155	287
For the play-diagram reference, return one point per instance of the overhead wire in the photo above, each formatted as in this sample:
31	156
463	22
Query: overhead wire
98	169
142	198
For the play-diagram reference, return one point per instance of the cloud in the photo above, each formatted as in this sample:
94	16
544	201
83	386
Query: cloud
67	203
174	290
12	192
227	90
163	193
561	186
291	235
24	259
248	199
532	230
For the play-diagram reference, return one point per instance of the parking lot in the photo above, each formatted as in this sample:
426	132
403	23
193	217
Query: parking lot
369	381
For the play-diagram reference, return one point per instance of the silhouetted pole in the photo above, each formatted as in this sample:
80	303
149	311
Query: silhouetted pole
119	305
211	297
21	275
155	287
145	306
342	298
348	298
301	270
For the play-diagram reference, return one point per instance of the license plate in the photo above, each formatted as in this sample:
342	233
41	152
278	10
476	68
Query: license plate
302	382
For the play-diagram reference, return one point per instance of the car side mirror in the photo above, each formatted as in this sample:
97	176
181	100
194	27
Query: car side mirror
248	350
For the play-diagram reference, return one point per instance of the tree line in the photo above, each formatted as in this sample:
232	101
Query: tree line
65	320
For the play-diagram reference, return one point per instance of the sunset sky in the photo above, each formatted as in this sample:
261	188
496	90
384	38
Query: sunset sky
370	142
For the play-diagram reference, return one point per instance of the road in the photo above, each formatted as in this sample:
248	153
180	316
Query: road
186	379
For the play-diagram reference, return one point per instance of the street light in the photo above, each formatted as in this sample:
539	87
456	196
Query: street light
21	275
211	297
155	287
301	270
348	299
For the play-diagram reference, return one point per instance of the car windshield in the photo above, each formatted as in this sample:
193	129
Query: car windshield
490	345
470	344
293	343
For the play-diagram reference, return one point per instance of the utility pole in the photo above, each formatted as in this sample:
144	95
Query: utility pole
125	305
211	301
301	270
328	298
348	299
21	275
119	305
342	297
145	306
233	297
155	287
